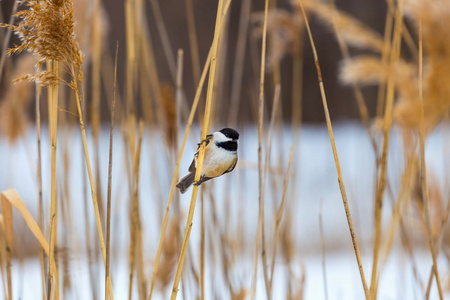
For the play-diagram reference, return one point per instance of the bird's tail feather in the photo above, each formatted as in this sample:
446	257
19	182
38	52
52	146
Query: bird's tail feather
185	182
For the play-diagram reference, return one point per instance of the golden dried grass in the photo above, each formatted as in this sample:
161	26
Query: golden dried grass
46	29
371	70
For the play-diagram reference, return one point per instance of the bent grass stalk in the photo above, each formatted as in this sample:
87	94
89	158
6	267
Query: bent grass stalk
336	158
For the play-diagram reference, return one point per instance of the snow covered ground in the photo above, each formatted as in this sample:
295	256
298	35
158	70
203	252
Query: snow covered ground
315	182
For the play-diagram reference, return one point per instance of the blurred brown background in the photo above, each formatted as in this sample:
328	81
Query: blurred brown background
340	98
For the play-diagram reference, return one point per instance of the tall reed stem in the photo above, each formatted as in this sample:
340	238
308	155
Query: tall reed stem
221	10
260	168
108	199
175	175
336	158
53	102
394	55
89	170
423	173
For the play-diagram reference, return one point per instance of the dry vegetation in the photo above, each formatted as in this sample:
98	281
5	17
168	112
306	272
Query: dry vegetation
413	97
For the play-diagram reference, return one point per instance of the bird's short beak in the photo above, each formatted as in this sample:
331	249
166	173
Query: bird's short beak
209	136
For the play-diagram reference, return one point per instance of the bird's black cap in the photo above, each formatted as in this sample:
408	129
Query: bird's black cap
231	133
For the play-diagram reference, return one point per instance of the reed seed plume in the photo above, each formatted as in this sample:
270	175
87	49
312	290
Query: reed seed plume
352	31
371	70
284	30
46	29
169	108
16	100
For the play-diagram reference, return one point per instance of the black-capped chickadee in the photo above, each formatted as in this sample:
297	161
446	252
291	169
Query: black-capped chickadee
220	158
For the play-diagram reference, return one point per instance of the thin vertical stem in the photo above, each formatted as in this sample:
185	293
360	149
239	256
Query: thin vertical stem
53	102
175	175
221	10
39	183
280	213
423	173
322	245
108	199
260	168
193	41
336	158
202	246
8	37
394	55
89	170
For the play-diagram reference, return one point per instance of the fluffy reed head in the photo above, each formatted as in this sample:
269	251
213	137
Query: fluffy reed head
436	43
350	29
284	34
46	29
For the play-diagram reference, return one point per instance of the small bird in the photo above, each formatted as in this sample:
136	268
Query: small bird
220	158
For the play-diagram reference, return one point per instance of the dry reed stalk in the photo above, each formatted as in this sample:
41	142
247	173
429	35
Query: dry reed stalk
238	68
275	105
7	37
407	37
3	264
423	173
165	42
131	56
108	197
438	245
9	199
130	139
39	181
393	59
193	41
176	172
9	237
408	181
221	14
322	246
53	108
96	48
87	232
136	215
74	86
280	213
202	245
336	158
260	169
